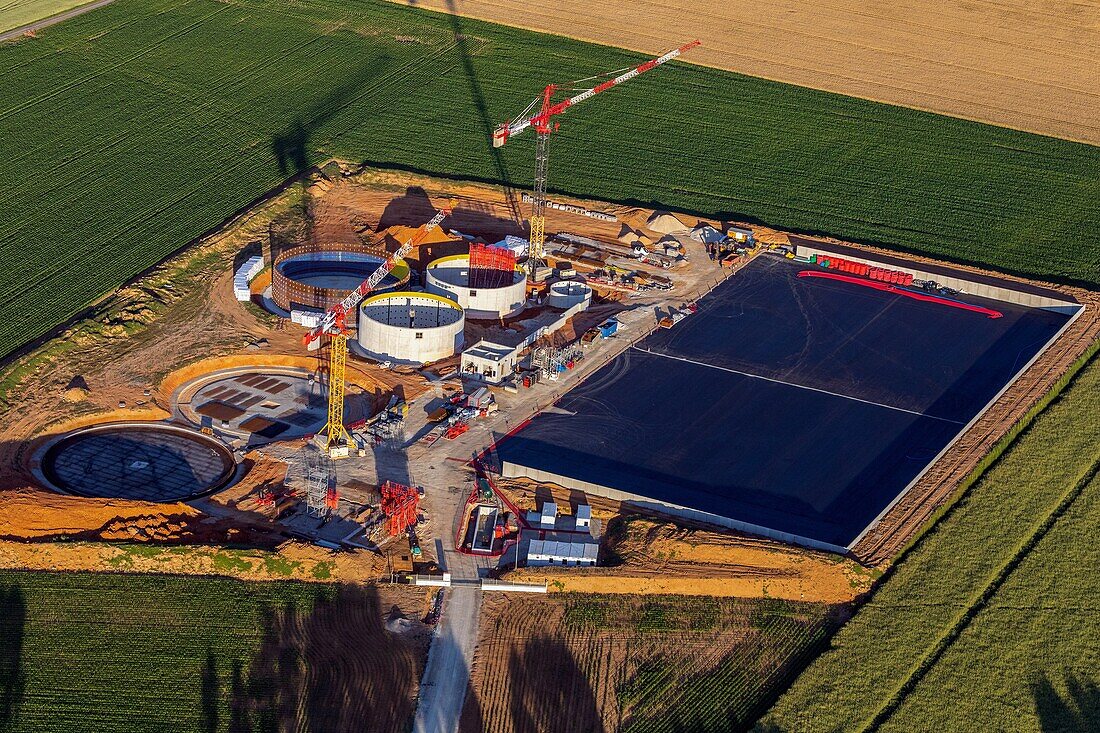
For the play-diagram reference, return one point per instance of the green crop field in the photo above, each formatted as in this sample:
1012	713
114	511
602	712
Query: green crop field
131	653
991	622
130	130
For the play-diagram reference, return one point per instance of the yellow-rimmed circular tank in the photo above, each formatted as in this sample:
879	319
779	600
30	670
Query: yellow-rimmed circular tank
450	277
409	327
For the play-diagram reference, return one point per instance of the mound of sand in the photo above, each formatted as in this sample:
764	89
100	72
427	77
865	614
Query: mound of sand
628	234
650	556
666	223
35	515
398	234
75	394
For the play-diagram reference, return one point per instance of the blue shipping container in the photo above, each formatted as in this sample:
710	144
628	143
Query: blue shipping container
609	327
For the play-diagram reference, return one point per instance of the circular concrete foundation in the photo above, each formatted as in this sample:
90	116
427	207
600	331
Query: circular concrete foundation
258	405
568	293
450	277
140	461
409	328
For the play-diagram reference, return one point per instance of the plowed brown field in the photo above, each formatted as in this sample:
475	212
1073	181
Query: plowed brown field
578	662
1027	65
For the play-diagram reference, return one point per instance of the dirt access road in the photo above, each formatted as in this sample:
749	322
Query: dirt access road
52	20
1030	66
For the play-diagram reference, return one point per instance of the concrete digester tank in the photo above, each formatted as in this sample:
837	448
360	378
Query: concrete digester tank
568	293
450	277
410	328
315	278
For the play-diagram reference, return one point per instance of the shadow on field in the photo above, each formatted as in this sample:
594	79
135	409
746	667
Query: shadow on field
13	616
291	145
545	691
210	691
566	706
482	108
332	668
1078	710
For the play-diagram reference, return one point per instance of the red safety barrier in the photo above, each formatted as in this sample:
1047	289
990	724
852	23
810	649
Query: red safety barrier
490	267
907	293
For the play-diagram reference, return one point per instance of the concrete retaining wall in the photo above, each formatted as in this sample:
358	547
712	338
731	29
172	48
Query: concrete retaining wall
567	293
449	277
512	470
435	334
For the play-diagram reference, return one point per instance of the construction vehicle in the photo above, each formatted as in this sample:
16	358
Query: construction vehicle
334	436
542	121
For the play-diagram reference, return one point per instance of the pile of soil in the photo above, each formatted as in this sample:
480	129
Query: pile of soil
264	474
641	555
30	514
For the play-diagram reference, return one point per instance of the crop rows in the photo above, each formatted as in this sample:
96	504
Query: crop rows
99	652
993	607
130	130
635	663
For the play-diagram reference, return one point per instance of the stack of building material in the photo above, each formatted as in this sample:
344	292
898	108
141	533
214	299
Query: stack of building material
518	245
244	275
400	504
309	319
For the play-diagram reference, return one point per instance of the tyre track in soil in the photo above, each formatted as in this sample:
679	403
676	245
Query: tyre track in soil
936	488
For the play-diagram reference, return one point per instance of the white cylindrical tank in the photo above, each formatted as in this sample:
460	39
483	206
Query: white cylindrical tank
450	277
410	328
568	293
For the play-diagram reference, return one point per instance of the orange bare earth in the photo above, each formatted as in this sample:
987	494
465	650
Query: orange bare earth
1032	66
655	557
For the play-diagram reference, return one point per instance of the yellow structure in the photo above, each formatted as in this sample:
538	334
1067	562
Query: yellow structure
338	439
538	238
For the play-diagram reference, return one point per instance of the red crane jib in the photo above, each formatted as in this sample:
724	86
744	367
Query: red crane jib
541	121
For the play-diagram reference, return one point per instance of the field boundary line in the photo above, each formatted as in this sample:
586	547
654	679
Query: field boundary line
42	23
982	600
799	386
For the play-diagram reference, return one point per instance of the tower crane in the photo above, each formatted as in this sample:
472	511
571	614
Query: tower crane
334	325
543	124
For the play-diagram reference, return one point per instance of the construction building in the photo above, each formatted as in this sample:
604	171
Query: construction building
490	362
552	552
486	286
409	328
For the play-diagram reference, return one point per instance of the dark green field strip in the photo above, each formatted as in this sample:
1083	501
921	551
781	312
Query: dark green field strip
991	603
98	652
104	652
130	130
